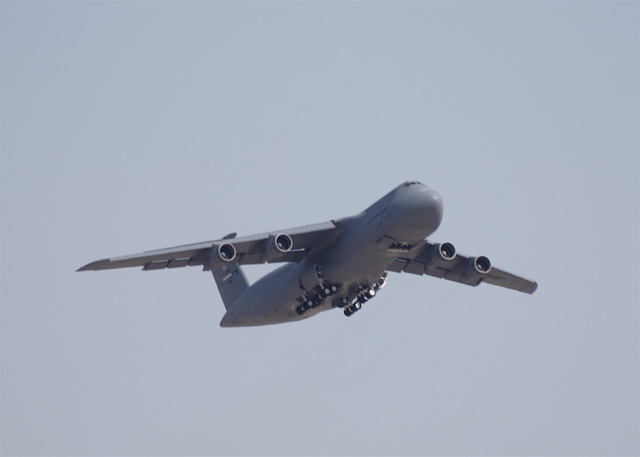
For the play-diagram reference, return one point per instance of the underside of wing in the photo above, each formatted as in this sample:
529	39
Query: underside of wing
442	261
281	246
179	256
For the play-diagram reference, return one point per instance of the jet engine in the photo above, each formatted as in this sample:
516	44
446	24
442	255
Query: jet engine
481	265
280	243
476	268
440	255
220	254
226	252
277	245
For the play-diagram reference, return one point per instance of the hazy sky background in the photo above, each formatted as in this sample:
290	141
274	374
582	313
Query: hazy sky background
129	126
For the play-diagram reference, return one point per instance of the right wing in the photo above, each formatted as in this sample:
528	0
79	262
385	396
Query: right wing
253	249
430	259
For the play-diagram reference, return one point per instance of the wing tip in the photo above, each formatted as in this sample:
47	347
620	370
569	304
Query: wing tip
531	288
97	265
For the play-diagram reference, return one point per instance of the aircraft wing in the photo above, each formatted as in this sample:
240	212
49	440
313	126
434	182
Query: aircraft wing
441	261
254	249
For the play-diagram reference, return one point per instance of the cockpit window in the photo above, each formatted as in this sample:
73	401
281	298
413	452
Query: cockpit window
412	183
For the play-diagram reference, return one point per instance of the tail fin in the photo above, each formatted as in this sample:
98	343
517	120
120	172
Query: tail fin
231	283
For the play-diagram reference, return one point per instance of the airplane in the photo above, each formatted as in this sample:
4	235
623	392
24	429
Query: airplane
342	263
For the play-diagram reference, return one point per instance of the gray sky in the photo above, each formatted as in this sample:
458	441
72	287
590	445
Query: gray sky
129	126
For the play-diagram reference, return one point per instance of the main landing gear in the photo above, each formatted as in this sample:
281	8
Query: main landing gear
351	305
317	299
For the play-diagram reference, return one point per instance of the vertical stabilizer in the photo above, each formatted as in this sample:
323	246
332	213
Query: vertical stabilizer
231	282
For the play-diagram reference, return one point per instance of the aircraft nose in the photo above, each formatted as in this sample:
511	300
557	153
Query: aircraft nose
433	206
422	209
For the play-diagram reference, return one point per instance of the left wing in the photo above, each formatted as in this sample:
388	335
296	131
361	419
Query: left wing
442	261
281	246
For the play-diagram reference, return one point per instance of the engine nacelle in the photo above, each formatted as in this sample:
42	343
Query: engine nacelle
278	244
476	268
481	265
440	255
226	252
220	254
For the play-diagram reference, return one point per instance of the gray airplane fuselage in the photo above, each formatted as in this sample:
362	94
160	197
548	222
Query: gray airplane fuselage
341	263
367	245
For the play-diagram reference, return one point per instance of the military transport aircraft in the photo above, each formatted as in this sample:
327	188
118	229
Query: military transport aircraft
337	264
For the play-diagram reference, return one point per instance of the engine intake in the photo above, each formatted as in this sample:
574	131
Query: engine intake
226	252
477	268
219	255
278	245
446	251
440	255
282	243
481	265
